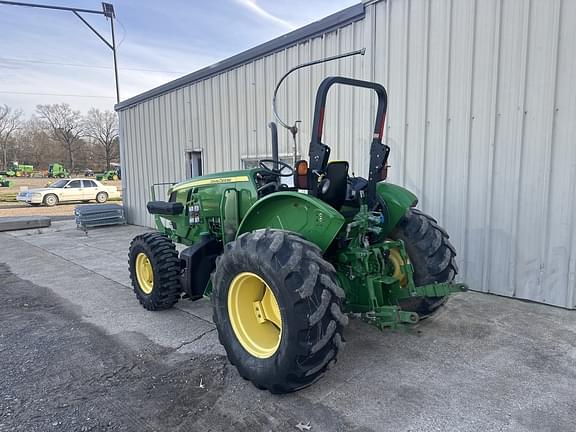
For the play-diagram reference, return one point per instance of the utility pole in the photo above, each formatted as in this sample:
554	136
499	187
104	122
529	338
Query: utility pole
107	11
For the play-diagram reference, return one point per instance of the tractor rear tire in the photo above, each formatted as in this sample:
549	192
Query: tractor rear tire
309	319
431	254
157	284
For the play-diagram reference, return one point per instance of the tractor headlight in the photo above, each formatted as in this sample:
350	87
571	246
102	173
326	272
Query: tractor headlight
194	214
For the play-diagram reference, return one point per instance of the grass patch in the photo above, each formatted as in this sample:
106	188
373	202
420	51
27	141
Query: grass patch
8	197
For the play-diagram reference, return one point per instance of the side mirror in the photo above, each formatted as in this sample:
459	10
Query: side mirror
301	175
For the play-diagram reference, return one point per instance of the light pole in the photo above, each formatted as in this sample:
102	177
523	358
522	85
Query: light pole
107	11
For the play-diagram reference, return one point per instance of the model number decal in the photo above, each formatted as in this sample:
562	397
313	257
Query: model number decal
210	181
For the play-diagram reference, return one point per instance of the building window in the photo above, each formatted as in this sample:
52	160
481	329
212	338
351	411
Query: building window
194	163
249	163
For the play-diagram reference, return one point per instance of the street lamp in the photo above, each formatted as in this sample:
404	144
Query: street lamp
107	11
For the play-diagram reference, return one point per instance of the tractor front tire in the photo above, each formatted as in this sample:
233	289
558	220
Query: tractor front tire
277	308
155	271
432	256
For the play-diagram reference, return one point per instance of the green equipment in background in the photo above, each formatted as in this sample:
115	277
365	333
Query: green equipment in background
286	265
4	182
115	174
56	170
18	170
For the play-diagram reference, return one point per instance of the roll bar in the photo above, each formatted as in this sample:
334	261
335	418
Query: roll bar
319	153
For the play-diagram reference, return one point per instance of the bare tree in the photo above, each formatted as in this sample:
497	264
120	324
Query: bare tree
102	127
66	126
10	121
34	144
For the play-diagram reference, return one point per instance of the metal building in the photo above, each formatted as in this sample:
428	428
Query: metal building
481	121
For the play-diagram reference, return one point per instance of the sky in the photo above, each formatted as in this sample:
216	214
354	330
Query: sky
51	57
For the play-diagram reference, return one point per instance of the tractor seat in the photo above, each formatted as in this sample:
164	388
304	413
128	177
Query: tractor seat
356	185
333	186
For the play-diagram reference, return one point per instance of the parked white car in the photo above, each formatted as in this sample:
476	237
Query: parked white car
69	190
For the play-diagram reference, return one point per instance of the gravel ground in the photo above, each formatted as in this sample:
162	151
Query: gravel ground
60	373
64	374
20	209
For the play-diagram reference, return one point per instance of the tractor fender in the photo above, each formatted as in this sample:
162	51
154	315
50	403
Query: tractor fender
395	202
296	212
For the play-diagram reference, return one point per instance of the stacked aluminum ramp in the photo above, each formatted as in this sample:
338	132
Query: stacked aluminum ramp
92	215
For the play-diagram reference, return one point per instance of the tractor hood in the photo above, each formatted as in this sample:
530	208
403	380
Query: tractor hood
213	179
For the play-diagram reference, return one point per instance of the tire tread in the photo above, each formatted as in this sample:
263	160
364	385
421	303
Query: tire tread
162	253
431	253
314	305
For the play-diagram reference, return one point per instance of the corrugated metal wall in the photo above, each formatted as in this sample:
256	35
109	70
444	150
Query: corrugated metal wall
481	121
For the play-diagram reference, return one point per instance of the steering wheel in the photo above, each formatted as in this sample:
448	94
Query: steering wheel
263	163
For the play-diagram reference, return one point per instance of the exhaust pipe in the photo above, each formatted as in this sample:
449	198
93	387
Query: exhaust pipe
274	131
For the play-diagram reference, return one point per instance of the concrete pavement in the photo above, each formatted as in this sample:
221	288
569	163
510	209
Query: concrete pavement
484	362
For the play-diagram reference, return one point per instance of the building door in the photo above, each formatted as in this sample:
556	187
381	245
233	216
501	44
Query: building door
194	163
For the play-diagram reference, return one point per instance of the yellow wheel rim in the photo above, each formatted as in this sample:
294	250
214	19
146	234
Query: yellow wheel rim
397	262
144	273
254	315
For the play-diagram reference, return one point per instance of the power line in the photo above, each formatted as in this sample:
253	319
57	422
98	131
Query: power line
20	60
107	11
55	94
124	32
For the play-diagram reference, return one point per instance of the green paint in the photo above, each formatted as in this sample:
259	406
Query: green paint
209	194
5	182
306	215
57	170
367	276
398	200
14	169
226	205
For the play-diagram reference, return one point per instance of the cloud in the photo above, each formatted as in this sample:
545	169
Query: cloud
49	54
251	4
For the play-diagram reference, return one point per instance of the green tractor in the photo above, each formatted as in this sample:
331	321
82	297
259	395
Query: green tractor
16	169
108	175
5	182
57	170
284	266
111	175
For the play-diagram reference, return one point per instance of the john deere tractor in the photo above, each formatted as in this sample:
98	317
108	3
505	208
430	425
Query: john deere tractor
56	170
285	266
114	174
16	169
